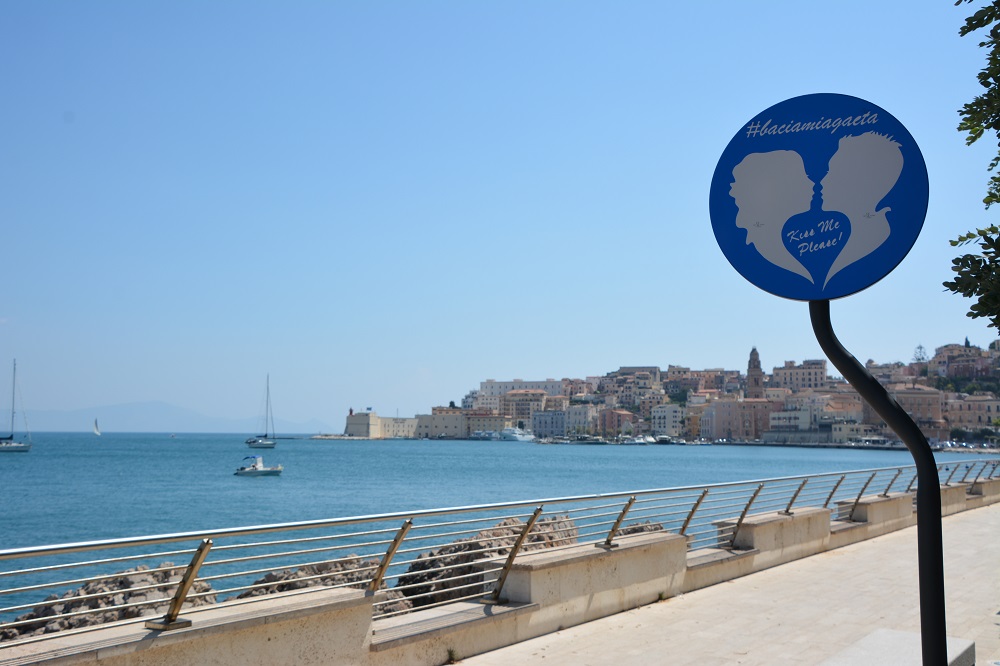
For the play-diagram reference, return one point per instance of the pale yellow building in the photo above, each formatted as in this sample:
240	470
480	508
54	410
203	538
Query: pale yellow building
372	426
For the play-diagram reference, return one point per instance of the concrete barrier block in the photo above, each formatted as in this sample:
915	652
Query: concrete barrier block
953	498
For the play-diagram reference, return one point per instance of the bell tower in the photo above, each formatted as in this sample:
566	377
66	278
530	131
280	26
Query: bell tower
755	376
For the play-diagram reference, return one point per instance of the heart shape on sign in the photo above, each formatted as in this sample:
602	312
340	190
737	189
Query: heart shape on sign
815	238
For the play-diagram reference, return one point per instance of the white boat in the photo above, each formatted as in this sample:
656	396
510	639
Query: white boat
265	441
256	468
516	435
97	431
7	443
484	435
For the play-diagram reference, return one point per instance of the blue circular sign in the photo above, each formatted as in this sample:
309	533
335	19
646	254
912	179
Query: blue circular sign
819	197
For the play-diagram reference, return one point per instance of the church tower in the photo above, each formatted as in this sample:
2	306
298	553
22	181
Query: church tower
755	376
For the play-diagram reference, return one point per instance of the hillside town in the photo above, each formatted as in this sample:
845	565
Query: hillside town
951	395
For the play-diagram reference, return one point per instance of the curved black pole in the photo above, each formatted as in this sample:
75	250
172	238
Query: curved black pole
930	552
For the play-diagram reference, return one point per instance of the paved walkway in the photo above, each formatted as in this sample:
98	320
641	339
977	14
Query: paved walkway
799	613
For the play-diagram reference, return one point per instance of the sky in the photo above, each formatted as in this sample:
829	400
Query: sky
382	204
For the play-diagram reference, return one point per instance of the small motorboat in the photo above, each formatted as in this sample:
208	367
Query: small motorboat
255	467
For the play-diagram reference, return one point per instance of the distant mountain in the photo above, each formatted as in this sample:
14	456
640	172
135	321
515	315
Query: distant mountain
157	417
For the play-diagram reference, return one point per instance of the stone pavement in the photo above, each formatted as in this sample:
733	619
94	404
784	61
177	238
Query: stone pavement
801	613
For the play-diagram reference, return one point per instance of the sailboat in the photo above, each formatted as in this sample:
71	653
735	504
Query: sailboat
265	441
97	431
8	444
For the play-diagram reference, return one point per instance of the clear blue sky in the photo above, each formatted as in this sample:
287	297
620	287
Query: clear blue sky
383	203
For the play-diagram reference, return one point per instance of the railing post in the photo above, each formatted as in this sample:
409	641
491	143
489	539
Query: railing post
389	554
618	523
885	493
513	553
746	509
170	621
795	496
697	503
968	471
829	498
954	468
982	467
857	499
912	481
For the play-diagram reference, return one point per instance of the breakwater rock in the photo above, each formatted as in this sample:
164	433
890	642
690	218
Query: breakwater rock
352	571
450	572
106	597
442	574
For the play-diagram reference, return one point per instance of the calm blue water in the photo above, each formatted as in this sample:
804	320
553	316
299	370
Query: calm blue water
79	487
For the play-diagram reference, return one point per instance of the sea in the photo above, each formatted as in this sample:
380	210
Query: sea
74	487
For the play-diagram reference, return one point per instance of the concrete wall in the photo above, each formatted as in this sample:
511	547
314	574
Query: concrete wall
545	591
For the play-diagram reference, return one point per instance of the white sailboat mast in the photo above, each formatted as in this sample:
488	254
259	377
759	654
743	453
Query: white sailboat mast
13	388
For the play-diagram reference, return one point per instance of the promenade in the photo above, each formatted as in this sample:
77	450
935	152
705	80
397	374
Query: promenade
804	612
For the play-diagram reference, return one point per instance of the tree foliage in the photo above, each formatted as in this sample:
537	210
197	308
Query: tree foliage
977	275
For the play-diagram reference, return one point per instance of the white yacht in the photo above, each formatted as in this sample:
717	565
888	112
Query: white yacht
516	435
256	468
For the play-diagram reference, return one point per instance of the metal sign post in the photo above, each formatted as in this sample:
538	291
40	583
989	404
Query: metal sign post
930	552
819	197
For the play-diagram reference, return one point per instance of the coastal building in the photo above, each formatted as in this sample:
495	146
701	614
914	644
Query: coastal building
549	423
556	402
487	402
890	373
485	421
843	432
631	384
964	360
491	387
809	375
777	394
924	404
469	401
370	425
667	420
797	420
442	423
577	387
581	419
679	378
972	412
613	422
746	419
692	419
520	404
651	400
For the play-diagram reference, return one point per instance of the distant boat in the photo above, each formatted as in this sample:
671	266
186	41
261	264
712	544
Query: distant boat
8	444
256	468
516	435
97	431
265	441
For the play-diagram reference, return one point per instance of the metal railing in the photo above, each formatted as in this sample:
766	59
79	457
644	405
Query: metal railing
417	559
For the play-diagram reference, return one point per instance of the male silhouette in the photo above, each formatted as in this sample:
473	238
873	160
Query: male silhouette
769	188
862	171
